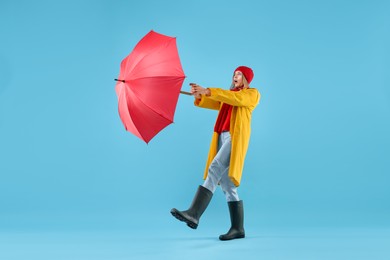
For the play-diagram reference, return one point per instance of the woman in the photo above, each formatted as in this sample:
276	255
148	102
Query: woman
227	150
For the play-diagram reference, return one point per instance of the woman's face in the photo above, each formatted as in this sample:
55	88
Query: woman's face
237	79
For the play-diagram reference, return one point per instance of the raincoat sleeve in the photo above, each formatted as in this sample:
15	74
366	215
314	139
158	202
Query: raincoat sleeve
245	98
206	102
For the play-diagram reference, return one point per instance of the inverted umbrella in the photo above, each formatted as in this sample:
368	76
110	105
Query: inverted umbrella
149	84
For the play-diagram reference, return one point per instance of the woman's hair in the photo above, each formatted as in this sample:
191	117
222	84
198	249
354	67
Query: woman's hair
246	85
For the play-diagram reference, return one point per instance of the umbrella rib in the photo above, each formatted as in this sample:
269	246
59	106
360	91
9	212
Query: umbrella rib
150	52
158	64
151	109
129	114
154	110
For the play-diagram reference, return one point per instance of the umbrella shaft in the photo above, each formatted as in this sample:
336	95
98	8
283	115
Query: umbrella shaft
120	80
186	93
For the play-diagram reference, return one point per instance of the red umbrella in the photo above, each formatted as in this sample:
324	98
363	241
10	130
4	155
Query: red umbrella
149	85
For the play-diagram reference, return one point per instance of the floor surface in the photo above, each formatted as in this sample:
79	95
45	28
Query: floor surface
180	243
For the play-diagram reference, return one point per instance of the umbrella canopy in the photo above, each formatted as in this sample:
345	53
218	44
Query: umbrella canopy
149	84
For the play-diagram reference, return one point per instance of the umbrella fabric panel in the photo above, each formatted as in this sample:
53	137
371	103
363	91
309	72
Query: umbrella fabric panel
151	57
156	93
138	118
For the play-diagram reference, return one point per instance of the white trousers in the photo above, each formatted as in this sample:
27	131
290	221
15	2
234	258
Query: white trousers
219	169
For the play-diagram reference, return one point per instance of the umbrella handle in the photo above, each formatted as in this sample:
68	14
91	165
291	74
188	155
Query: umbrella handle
185	93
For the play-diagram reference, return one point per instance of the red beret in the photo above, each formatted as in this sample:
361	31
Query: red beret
248	73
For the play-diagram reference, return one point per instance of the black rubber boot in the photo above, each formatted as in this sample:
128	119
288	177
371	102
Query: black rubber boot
236	210
199	204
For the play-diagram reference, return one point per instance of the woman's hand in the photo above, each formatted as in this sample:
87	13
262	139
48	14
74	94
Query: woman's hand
197	90
197	95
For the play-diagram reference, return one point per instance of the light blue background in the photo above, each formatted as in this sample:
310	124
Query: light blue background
320	145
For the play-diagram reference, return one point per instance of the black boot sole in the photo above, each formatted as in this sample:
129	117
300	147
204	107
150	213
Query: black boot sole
180	217
231	238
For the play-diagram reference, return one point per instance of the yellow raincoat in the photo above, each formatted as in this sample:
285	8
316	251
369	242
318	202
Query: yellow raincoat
243	102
